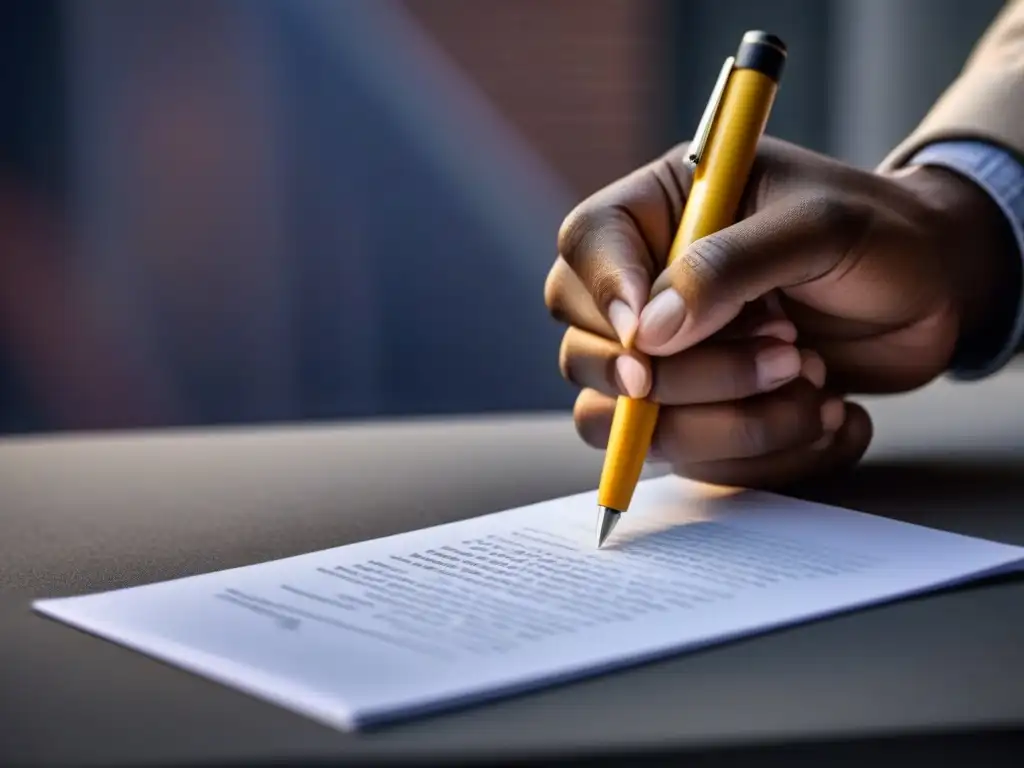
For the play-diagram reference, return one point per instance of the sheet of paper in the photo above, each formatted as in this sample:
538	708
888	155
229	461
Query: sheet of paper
462	612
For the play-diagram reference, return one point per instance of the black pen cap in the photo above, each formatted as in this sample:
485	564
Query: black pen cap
762	52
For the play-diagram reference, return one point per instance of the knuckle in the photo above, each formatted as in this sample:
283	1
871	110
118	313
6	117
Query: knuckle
845	217
575	229
707	259
602	247
584	239
827	208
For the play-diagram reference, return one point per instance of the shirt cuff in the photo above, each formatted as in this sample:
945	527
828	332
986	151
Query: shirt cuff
1001	175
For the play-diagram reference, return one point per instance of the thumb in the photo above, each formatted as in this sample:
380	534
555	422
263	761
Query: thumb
788	243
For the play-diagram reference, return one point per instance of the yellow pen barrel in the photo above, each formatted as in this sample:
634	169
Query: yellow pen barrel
719	180
720	177
628	442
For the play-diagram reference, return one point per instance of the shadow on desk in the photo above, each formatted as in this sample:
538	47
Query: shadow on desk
975	498
927	681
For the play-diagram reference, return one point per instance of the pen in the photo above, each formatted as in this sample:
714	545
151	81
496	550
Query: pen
722	154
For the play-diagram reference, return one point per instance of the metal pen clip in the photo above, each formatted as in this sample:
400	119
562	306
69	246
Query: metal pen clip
707	120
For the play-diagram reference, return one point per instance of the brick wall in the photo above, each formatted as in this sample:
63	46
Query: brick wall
578	78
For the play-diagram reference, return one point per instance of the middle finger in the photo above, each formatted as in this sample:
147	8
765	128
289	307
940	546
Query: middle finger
713	371
798	414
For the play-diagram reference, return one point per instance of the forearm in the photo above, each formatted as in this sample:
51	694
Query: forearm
979	189
976	130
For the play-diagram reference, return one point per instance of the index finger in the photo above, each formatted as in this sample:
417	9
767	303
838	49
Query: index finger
618	239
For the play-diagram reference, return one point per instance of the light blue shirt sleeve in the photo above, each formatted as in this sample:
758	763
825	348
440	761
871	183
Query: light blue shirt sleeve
1001	175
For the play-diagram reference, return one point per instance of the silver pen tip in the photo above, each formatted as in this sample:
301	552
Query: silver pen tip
607	518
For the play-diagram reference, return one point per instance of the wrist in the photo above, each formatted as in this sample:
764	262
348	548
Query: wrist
978	252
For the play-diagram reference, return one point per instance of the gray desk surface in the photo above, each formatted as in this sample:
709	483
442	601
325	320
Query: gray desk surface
93	513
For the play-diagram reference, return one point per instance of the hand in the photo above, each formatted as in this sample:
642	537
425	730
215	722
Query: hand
878	276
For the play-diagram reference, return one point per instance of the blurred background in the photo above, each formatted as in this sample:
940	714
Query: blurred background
252	211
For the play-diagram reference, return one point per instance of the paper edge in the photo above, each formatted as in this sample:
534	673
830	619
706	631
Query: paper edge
252	681
337	714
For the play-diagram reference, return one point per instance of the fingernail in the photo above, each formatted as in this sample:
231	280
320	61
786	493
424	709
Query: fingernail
632	376
812	368
783	330
623	320
775	366
823	442
662	318
833	414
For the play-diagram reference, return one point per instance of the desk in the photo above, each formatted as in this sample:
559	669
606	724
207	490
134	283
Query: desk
91	513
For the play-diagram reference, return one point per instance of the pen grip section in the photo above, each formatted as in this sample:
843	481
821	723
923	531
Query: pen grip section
630	437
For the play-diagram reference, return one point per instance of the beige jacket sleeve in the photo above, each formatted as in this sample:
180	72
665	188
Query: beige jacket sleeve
986	101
